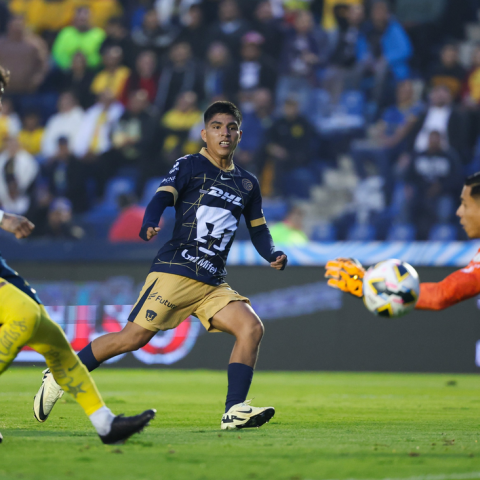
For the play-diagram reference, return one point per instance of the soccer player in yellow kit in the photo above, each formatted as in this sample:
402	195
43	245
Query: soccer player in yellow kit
24	321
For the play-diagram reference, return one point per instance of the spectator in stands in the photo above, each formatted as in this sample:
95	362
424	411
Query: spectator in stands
304	52
30	136
383	48
435	179
444	118
132	137
269	27
176	125
67	176
181	74
449	72
10	124
215	71
119	36
59	223
471	94
93	140
144	77
387	138
129	222
255	125
154	36
114	76
193	32
340	74
290	230
230	27
174	11
290	148
254	70
18	170
65	123
24	55
78	79
80	36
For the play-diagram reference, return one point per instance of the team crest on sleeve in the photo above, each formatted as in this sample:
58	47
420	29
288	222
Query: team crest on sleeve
247	184
150	315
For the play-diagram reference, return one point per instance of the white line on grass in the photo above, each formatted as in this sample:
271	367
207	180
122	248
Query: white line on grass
450	476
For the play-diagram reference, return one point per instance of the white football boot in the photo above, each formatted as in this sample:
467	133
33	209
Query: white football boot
45	399
243	415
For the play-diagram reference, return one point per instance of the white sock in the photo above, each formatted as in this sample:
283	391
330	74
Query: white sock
102	420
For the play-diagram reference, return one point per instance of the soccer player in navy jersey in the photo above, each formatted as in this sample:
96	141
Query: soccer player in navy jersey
187	277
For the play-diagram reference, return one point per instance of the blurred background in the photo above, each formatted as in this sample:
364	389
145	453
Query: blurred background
361	120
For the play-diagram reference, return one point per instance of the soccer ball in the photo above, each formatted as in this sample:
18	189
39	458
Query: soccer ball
391	288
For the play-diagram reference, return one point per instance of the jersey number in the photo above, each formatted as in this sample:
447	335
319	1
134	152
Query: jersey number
215	228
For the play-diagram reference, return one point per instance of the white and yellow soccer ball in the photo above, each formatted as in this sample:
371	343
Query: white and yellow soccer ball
391	288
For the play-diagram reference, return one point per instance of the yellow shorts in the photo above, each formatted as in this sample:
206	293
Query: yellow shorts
166	300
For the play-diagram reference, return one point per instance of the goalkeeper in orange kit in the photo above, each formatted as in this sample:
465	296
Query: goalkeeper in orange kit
346	274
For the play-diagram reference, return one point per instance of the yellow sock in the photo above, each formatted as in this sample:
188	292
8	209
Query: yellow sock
68	371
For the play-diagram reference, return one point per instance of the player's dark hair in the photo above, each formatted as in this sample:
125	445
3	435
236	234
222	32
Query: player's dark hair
222	107
474	182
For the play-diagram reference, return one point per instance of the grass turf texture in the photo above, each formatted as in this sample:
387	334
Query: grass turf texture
327	426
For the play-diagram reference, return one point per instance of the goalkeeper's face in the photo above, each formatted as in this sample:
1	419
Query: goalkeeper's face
469	213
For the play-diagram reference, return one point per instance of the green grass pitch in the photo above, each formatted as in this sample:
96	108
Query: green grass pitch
327	426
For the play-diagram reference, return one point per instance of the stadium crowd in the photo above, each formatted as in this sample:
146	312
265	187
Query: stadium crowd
361	118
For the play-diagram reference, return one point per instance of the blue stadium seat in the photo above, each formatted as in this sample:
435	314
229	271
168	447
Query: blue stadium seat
361	232
443	232
401	232
115	187
324	232
274	210
353	102
149	190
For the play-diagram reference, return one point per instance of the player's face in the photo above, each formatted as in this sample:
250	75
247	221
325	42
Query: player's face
469	213
222	134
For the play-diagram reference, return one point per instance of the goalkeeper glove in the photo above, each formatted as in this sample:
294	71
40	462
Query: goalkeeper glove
346	274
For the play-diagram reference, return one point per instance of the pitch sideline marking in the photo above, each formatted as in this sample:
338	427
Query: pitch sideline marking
451	476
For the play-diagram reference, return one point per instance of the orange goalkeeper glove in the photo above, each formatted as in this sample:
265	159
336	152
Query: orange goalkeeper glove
346	274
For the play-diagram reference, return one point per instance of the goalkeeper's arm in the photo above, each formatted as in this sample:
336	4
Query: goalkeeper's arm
346	274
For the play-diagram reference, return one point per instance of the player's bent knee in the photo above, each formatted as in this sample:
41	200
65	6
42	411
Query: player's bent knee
254	330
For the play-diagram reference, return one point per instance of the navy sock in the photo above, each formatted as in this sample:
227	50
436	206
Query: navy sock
87	358
239	381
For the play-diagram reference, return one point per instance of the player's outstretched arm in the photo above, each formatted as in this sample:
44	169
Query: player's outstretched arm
160	201
346	274
20	226
460	285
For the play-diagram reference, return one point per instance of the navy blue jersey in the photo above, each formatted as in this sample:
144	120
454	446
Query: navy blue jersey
11	276
208	203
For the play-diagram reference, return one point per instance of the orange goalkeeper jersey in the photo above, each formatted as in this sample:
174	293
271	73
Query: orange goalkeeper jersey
458	286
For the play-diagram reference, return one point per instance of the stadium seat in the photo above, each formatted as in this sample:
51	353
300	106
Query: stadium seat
274	210
115	187
324	232
108	209
401	232
443	232
361	232
149	190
